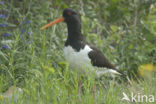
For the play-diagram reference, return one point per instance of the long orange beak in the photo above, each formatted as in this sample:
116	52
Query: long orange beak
61	19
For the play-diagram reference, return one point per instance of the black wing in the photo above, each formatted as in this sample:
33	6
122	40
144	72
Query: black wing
98	59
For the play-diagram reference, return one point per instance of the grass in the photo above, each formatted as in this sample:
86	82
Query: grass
62	88
33	60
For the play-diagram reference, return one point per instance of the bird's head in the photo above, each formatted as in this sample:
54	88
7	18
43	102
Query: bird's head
69	16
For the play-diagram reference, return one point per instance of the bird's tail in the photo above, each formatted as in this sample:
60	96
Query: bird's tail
100	73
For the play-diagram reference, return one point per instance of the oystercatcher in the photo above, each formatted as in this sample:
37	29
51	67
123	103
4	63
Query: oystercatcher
81	55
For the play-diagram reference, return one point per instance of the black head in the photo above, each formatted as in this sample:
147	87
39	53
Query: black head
72	19
71	16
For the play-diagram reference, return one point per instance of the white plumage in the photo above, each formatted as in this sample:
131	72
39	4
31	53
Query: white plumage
81	62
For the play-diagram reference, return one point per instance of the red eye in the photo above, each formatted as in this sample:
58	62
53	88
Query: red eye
69	13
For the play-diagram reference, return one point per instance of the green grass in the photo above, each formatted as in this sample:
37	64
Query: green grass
35	62
47	88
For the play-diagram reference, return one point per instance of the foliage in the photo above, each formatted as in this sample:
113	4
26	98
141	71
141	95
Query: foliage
125	31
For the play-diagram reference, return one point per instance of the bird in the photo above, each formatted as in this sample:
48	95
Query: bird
82	56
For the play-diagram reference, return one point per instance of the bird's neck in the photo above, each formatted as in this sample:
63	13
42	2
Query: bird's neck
74	32
75	37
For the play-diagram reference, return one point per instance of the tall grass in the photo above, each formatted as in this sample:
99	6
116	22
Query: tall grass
32	59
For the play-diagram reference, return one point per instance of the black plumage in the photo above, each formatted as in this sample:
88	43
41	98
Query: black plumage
77	41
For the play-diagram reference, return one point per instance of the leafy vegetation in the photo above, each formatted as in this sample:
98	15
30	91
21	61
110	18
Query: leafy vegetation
125	31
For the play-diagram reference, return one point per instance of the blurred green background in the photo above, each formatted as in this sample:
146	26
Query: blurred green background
124	30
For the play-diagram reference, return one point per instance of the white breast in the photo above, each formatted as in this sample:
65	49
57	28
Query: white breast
78	60
81	62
